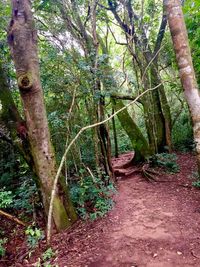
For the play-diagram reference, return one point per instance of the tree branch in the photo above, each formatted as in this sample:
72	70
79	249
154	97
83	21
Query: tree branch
161	33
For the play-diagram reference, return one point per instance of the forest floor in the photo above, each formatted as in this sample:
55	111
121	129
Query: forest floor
151	225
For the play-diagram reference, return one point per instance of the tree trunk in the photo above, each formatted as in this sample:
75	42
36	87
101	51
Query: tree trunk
163	109
137	139
186	71
22	38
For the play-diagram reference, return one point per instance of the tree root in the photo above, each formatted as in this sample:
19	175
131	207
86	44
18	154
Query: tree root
148	174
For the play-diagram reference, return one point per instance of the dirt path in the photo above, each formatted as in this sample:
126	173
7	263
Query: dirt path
151	225
154	224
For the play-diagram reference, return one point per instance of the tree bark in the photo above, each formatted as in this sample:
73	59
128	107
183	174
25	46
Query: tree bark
22	38
139	143
186	71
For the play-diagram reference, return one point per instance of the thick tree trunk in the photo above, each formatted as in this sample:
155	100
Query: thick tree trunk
139	143
22	39
185	65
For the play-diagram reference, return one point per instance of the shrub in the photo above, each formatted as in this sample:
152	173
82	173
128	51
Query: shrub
6	198
34	235
48	254
91	197
167	161
182	134
25	195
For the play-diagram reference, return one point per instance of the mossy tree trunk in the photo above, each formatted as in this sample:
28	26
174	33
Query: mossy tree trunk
139	143
186	71
22	38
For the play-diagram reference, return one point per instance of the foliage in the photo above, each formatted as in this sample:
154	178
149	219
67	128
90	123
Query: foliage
48	254
65	69
6	199
124	143
192	18
18	188
45	260
2	248
182	134
196	178
25	195
196	184
9	165
167	161
34	235
91	197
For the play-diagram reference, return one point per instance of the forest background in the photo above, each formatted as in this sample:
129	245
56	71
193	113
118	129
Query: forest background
95	57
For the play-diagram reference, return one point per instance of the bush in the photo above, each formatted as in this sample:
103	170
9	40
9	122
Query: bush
167	161
25	195
182	134
6	198
48	254
91	197
34	235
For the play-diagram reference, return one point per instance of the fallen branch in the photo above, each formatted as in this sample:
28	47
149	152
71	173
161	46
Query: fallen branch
53	192
11	217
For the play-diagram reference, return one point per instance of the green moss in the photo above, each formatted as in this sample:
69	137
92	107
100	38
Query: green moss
60	215
138	141
67	201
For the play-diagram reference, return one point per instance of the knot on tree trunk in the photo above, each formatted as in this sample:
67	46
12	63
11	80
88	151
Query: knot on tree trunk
25	81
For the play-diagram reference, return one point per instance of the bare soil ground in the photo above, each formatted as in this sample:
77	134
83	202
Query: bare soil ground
151	225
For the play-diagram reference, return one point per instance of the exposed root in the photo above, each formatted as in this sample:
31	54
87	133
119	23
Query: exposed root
126	170
148	173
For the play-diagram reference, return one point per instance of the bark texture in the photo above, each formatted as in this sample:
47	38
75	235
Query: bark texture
139	143
22	38
186	71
